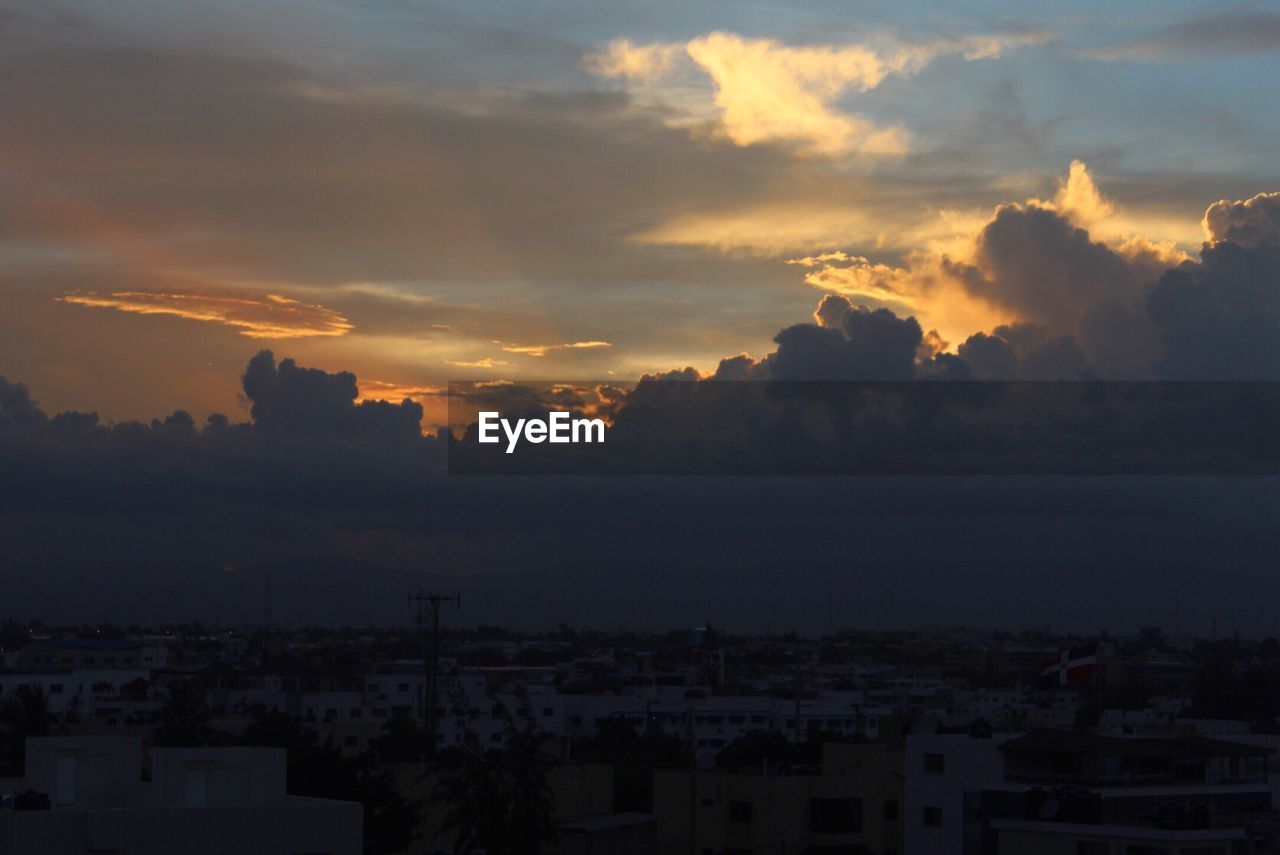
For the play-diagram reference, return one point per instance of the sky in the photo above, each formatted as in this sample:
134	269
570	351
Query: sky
421	192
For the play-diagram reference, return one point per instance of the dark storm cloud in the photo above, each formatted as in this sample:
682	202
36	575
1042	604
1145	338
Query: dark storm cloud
16	405
1023	352
1036	262
847	343
309	400
1219	318
309	441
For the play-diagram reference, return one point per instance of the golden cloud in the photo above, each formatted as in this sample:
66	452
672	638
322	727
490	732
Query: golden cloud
382	390
764	90
622	58
544	349
766	229
477	363
256	316
926	286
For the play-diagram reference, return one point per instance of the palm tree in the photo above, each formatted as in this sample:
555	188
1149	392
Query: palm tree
24	713
498	799
184	717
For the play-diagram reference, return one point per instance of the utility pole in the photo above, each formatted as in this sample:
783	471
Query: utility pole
421	603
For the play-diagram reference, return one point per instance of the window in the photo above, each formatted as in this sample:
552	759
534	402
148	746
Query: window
835	816
891	811
740	812
935	764
931	817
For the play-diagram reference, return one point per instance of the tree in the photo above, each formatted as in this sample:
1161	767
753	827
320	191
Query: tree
320	771
184	717
401	741
24	713
498	799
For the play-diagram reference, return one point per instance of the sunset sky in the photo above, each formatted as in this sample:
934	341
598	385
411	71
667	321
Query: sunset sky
426	191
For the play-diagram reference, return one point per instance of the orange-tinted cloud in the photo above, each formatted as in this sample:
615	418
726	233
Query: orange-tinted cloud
256	316
477	363
544	349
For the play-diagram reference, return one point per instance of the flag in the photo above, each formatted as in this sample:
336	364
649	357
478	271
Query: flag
1074	667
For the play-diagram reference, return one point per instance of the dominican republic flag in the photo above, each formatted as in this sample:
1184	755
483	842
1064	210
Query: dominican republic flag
1073	667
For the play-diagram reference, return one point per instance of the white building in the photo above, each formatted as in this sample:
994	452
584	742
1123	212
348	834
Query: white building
90	796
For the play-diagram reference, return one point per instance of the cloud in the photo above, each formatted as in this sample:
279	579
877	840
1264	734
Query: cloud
1250	222
847	342
487	362
622	58
267	316
1216	34
1023	352
300	400
17	406
767	228
1219	317
544	349
768	91
822	258
860	279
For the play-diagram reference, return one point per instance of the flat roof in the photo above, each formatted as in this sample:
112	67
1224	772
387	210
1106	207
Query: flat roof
603	822
1072	742
1143	832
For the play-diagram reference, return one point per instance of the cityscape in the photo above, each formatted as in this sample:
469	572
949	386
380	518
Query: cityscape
261	738
556	427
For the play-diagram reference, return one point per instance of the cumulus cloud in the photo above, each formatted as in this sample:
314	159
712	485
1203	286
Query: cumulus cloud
256	316
300	400
1219	318
1023	352
1250	222
16	405
847	342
